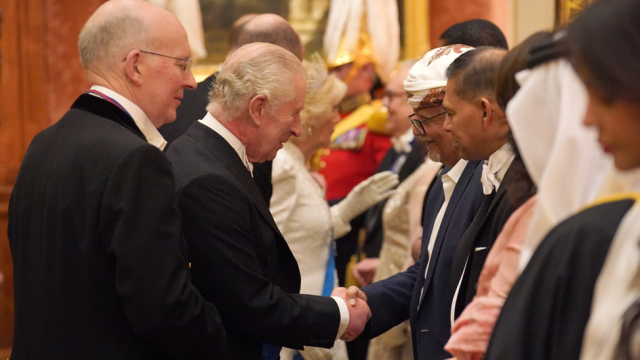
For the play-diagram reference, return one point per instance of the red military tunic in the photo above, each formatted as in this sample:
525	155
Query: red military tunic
356	153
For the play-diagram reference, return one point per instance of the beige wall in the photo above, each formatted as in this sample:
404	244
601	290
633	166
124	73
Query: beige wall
530	16
516	18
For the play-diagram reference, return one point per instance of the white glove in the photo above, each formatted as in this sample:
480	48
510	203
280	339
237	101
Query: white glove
366	194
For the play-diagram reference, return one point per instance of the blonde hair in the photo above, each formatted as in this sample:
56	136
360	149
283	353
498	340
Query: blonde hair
256	68
318	104
100	43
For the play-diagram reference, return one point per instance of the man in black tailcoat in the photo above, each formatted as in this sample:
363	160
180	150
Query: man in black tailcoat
240	261
99	264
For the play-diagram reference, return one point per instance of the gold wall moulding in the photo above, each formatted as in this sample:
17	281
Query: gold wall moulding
568	10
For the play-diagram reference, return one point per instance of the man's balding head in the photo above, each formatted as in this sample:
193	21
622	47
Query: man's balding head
117	27
272	29
234	32
140	51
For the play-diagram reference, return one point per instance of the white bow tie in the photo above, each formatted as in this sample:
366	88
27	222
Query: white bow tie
489	180
400	146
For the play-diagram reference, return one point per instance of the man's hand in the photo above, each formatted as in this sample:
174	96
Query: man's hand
365	270
350	295
358	317
359	312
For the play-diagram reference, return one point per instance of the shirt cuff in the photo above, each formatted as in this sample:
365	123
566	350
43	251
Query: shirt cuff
344	315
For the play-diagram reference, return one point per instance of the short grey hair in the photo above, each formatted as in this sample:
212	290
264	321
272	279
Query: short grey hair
267	69
100	43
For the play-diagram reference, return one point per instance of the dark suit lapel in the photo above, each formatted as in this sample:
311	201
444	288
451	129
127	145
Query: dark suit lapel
490	203
224	152
461	186
432	204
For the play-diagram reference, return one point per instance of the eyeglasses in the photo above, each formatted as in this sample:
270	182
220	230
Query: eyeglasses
419	123
187	61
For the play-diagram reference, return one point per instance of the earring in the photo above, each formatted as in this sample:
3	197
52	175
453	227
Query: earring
309	131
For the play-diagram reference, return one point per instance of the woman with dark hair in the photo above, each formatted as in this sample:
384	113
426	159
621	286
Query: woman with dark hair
472	329
578	293
605	46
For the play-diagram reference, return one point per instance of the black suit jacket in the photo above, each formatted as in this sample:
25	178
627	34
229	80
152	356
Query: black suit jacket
548	308
193	108
397	298
373	220
477	241
240	261
94	230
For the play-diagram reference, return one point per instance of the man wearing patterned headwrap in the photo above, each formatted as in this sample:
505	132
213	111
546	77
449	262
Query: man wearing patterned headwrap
421	294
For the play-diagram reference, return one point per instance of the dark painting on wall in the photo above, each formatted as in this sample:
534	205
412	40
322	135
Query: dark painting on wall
219	15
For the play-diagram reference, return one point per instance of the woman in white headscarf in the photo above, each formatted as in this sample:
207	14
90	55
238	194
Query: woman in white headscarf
298	203
585	271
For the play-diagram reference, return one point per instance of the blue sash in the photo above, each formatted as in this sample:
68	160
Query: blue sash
329	278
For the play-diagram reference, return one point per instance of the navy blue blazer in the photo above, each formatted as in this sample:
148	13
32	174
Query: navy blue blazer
397	298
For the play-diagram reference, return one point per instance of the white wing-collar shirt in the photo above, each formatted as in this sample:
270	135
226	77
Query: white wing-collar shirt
449	181
139	117
496	167
235	143
402	144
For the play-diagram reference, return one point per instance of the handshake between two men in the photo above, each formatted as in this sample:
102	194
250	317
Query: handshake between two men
359	312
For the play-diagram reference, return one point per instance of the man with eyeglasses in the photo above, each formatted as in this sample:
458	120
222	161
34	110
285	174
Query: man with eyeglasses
421	293
95	234
403	158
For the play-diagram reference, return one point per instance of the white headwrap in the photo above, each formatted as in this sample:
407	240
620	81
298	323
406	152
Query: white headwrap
426	80
565	160
562	156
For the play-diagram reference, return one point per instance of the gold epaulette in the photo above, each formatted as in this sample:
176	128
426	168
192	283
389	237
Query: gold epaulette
378	121
316	163
635	196
373	114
